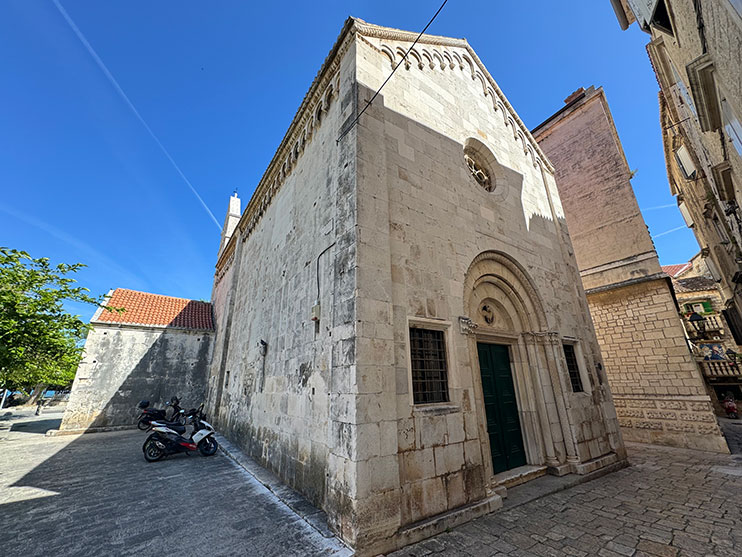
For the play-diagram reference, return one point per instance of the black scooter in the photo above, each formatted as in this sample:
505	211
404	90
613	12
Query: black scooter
149	415
169	437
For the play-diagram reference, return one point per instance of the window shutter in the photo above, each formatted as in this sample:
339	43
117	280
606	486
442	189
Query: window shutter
682	155
686	214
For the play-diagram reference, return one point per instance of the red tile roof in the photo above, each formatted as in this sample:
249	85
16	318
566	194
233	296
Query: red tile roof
694	284
675	270
143	308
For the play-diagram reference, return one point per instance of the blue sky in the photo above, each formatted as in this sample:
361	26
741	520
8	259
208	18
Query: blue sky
218	83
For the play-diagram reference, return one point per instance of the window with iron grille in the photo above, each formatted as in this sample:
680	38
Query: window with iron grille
572	369
429	366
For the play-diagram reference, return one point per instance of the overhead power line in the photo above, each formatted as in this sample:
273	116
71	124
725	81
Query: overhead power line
125	98
355	121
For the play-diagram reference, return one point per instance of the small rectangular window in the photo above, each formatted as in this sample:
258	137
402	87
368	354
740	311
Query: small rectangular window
429	366
574	371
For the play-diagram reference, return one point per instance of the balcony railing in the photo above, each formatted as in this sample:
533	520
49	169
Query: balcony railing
720	368
710	323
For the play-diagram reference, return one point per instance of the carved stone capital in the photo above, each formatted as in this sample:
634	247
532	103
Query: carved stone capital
546	337
466	325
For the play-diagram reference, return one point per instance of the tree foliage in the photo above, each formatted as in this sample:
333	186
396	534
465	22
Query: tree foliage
39	341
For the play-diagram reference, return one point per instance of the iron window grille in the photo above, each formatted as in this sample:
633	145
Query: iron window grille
572	368
429	366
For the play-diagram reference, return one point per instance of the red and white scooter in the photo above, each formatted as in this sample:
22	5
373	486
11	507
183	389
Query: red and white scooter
168	437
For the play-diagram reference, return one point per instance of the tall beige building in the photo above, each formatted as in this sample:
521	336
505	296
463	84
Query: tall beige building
695	49
657	386
401	328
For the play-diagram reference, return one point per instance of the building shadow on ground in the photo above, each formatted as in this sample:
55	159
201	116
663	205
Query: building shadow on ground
37	426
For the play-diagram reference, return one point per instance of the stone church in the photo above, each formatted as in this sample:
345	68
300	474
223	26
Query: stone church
401	329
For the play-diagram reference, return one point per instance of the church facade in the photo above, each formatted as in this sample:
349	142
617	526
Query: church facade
401	329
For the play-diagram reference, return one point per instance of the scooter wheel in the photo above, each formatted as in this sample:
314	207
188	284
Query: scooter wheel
151	451
143	425
208	446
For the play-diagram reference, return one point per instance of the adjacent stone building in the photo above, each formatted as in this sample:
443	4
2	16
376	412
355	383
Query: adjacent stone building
657	386
401	327
158	347
717	351
695	51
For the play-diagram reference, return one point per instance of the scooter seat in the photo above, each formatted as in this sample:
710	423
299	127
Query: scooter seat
175	426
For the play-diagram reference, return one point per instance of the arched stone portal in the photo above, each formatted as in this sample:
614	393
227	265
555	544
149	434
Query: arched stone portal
504	309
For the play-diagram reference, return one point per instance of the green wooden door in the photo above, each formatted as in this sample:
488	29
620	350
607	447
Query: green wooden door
503	424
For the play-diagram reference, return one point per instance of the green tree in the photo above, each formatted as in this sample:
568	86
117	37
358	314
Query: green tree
40	343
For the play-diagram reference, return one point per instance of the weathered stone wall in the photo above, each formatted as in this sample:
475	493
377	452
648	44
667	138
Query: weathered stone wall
640	332
279	400
611	240
657	388
391	223
712	30
422	221
125	364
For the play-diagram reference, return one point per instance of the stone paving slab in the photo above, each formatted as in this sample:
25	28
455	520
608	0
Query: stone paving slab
670	502
96	495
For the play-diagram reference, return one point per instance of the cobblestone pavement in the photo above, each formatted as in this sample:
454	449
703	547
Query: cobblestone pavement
95	495
670	502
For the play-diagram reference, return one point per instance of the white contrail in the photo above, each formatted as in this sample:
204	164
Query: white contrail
669	231
660	207
120	91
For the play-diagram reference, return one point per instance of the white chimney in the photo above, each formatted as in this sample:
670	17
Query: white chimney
230	222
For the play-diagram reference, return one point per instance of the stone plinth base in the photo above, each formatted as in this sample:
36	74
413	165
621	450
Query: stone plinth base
687	422
433	526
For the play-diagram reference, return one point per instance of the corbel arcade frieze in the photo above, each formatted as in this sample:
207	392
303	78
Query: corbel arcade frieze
446	57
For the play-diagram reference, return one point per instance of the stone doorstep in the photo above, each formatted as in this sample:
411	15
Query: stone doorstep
435	525
549	484
517	476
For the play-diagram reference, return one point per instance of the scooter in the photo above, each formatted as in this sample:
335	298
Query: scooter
148	415
168	438
730	406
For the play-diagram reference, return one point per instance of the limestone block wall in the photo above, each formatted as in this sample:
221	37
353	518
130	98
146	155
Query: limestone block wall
125	364
657	388
278	379
422	221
